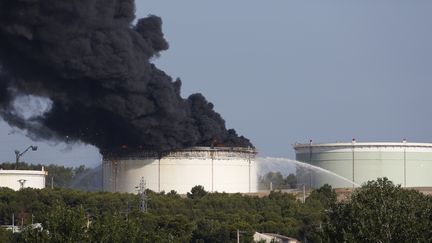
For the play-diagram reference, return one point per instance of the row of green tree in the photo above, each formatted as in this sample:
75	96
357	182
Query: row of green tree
115	217
377	212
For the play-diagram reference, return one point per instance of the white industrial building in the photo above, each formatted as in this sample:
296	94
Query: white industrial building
273	238
407	164
17	179
220	169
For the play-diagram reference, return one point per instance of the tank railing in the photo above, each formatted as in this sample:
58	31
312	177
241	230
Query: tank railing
208	154
363	144
236	149
193	152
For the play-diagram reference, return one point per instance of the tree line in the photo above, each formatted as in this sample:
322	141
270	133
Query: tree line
69	215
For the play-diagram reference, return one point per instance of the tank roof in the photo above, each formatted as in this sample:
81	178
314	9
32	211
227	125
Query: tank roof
236	149
155	154
23	172
361	144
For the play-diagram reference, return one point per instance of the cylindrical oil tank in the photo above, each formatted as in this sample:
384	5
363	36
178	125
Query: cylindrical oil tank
220	169
17	179
407	164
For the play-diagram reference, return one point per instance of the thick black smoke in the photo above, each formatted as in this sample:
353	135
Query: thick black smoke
88	58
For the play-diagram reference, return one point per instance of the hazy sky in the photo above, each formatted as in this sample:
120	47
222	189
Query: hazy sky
282	72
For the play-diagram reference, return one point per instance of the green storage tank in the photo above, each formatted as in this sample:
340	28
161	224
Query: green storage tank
407	164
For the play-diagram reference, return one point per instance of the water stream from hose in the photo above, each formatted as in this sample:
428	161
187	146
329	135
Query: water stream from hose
306	166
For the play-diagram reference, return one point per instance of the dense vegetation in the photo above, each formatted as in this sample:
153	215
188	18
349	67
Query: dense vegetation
115	217
380	212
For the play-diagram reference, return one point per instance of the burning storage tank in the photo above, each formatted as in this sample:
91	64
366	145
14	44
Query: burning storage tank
103	89
407	164
219	169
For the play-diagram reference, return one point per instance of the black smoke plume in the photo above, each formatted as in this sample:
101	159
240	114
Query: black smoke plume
94	65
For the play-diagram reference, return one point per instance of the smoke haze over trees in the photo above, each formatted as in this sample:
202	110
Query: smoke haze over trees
91	67
81	177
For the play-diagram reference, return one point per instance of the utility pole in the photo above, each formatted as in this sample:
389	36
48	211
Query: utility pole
353	164
13	223
304	194
143	195
310	162
238	235
249	160
127	210
404	143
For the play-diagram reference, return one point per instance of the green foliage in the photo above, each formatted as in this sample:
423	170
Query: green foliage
197	192
113	228
377	212
66	224
33	234
5	235
61	224
380	212
323	197
201	217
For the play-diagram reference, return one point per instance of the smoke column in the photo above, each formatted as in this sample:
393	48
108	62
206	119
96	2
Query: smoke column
92	63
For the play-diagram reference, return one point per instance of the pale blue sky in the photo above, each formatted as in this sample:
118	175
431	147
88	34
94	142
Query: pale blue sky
281	72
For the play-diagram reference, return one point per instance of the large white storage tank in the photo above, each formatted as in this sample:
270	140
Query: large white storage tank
17	179
219	169
407	164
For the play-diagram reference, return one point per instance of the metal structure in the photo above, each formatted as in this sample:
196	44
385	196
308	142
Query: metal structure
219	169
17	179
407	164
143	195
18	154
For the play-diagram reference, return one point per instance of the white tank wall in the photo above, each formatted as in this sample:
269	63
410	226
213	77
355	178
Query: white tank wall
215	170
407	164
33	178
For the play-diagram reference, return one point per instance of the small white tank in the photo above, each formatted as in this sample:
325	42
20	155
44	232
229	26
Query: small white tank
17	179
216	169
